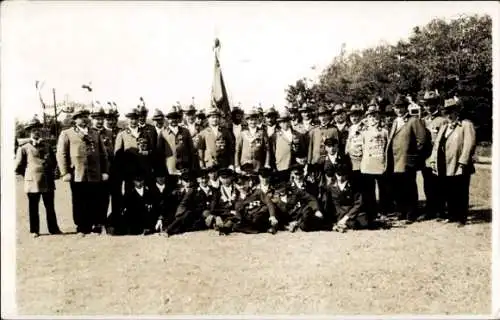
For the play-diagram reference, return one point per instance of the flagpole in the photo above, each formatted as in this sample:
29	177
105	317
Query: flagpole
56	129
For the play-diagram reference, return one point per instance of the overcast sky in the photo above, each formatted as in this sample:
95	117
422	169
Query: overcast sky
163	50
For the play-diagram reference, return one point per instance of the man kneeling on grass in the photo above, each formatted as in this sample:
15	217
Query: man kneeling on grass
196	205
138	213
300	207
344	200
257	213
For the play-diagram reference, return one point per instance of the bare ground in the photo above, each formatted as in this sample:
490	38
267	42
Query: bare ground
425	268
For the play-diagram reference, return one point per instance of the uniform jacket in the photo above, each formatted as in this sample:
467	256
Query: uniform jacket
81	155
406	145
433	124
354	144
457	148
317	138
374	143
108	140
139	210
164	202
216	149
196	200
285	152
176	150
37	164
225	201
297	202
129	159
252	148
149	131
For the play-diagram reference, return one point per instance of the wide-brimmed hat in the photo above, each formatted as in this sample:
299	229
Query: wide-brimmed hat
356	109
188	175
237	110
247	168
372	109
271	112
111	111
212	111
265	172
253	113
338	109
342	168
430	96
226	173
80	112
132	113
98	112
172	112
400	102
451	104
158	115
305	108
323	110
330	142
33	123
190	109
296	168
143	111
284	115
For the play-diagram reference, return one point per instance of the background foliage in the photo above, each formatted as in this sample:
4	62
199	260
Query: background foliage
454	57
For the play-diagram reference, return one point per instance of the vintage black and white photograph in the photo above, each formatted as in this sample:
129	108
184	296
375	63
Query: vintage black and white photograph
248	158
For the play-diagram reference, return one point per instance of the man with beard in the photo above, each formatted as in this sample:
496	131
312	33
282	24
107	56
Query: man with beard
216	143
433	122
407	140
175	147
83	163
237	117
252	145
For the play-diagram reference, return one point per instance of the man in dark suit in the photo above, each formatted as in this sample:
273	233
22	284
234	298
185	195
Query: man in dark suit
36	162
83	162
407	140
139	215
146	129
224	214
196	206
257	213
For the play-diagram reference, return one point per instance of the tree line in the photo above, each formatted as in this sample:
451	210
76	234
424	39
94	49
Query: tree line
454	57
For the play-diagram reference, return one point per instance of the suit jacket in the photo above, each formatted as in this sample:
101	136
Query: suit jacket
354	144
285	152
176	150
374	144
343	134
343	202
457	148
225	203
129	160
406	145
216	149
83	156
164	202
255	202
37	164
108	140
317	139
433	124
252	149
297	202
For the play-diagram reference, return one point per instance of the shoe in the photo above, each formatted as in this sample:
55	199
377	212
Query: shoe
408	222
272	230
55	232
460	225
35	235
81	234
147	232
422	217
97	229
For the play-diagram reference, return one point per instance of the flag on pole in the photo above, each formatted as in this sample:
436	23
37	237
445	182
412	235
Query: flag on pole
219	94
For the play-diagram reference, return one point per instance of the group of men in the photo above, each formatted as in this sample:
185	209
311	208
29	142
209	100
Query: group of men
308	168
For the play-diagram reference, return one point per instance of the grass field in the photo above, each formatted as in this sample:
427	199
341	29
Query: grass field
425	268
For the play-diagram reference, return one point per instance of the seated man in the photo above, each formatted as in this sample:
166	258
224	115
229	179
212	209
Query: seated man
223	215
299	181
344	200
196	205
213	175
138	213
165	203
301	209
257	213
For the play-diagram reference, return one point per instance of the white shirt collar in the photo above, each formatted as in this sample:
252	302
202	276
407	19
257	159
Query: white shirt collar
134	131
214	183
175	129
83	130
205	189
264	188
36	142
215	129
333	157
341	185
160	187
140	191
341	126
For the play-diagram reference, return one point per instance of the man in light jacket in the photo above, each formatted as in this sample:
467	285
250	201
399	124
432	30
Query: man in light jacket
451	160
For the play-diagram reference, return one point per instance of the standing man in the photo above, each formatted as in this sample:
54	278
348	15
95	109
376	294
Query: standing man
158	121
237	117
433	122
107	138
176	149
146	129
405	148
36	161
341	124
271	116
451	160
318	137
83	163
216	143
111	124
252	145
